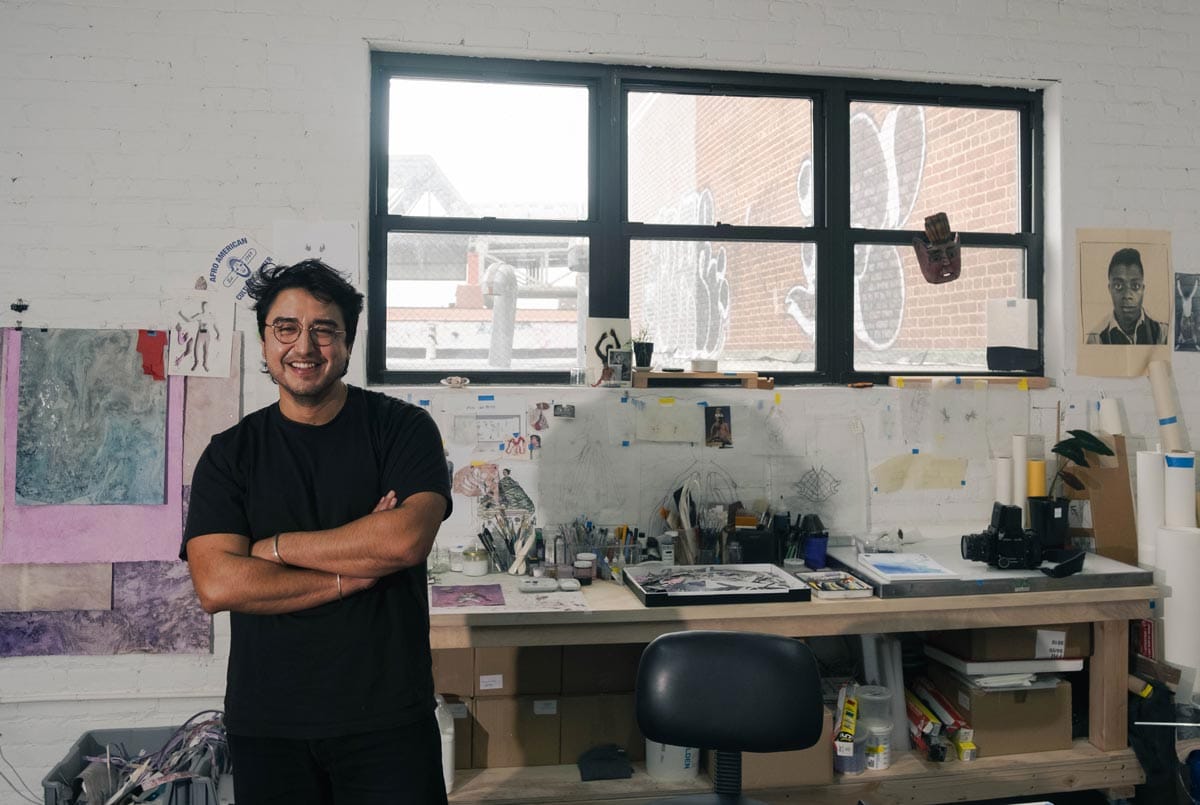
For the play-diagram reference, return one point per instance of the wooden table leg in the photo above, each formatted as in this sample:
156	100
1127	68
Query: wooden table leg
1108	672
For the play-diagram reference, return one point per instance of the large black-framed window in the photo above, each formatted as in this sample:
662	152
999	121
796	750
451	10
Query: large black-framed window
766	220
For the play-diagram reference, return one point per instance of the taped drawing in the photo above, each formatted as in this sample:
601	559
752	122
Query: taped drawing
91	424
154	611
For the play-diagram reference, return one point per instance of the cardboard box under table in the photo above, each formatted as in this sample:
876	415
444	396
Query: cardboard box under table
454	671
516	731
595	720
1068	640
1010	722
518	671
600	668
812	766
462	708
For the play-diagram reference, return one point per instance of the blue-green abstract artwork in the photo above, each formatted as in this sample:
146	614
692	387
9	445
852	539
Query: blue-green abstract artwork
91	424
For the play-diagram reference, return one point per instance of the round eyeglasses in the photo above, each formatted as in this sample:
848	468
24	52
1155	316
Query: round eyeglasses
288	332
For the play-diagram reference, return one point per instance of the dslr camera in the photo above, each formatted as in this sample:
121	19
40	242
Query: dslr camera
1005	544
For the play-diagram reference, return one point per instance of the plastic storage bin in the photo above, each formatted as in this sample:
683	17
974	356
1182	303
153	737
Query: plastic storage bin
58	785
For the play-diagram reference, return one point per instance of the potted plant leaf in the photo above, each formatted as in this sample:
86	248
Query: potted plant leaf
1048	514
643	349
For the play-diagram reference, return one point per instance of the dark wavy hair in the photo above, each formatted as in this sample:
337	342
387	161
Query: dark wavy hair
318	278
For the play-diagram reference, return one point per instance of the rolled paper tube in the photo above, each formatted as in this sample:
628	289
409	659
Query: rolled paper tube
1179	491
1020	458
1110	415
1151	468
1179	558
1166	407
1004	480
1035	474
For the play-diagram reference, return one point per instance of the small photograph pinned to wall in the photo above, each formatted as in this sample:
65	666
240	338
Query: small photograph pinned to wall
535	446
566	411
718	427
620	361
1187	310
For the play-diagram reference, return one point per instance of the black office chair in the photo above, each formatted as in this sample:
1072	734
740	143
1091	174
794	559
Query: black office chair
731	692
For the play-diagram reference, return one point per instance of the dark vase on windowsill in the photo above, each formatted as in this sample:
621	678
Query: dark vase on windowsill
643	351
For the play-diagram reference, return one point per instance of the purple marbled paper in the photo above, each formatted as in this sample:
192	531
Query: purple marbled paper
154	611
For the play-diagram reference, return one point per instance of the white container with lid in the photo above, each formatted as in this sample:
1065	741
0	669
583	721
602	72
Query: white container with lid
475	562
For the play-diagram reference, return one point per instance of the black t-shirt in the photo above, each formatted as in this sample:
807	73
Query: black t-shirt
348	666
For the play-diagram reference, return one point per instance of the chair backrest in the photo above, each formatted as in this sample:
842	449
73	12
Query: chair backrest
730	692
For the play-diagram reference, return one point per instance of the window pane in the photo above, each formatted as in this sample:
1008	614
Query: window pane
752	306
746	153
485	302
474	148
901	321
908	162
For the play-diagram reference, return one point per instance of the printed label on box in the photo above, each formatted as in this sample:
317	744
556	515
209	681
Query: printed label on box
458	709
1051	645
491	681
545	707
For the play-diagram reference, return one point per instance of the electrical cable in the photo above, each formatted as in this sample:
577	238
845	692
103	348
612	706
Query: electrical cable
17	774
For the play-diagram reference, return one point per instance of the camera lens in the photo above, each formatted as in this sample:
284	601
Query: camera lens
975	547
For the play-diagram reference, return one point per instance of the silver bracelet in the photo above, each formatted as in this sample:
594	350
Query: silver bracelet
275	550
339	581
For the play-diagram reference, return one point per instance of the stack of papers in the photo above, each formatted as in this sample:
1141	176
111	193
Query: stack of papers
903	566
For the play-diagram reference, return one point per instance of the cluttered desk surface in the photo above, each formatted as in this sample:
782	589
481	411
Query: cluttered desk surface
938	569
609	612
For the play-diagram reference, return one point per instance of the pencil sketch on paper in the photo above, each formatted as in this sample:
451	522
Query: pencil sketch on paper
817	485
201	337
91	425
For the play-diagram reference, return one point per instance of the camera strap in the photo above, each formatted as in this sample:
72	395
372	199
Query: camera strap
1068	562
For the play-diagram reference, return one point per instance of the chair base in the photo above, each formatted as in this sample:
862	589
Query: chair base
708	799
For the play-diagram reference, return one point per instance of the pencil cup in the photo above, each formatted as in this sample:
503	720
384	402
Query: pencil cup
815	546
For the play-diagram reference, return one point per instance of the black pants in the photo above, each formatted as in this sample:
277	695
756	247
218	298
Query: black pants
392	767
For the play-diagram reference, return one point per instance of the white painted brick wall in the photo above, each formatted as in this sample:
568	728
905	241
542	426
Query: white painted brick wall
137	140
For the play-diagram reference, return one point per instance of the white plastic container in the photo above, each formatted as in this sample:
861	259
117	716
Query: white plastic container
879	745
456	557
671	763
445	723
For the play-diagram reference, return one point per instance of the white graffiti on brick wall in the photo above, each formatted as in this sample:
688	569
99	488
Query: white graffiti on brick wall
694	323
887	161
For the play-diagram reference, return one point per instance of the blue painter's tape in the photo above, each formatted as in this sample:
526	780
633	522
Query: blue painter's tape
963	482
1181	462
703	403
1168	421
916	450
624	443
957	380
486	397
422	402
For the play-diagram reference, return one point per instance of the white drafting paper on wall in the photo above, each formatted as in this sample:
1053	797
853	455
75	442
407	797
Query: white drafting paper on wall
620	417
201	336
332	242
904	566
957	410
667	419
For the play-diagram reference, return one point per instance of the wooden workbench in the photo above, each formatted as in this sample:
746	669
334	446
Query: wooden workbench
1103	761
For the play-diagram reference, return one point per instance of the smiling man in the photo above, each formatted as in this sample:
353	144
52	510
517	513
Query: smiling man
1128	322
310	522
